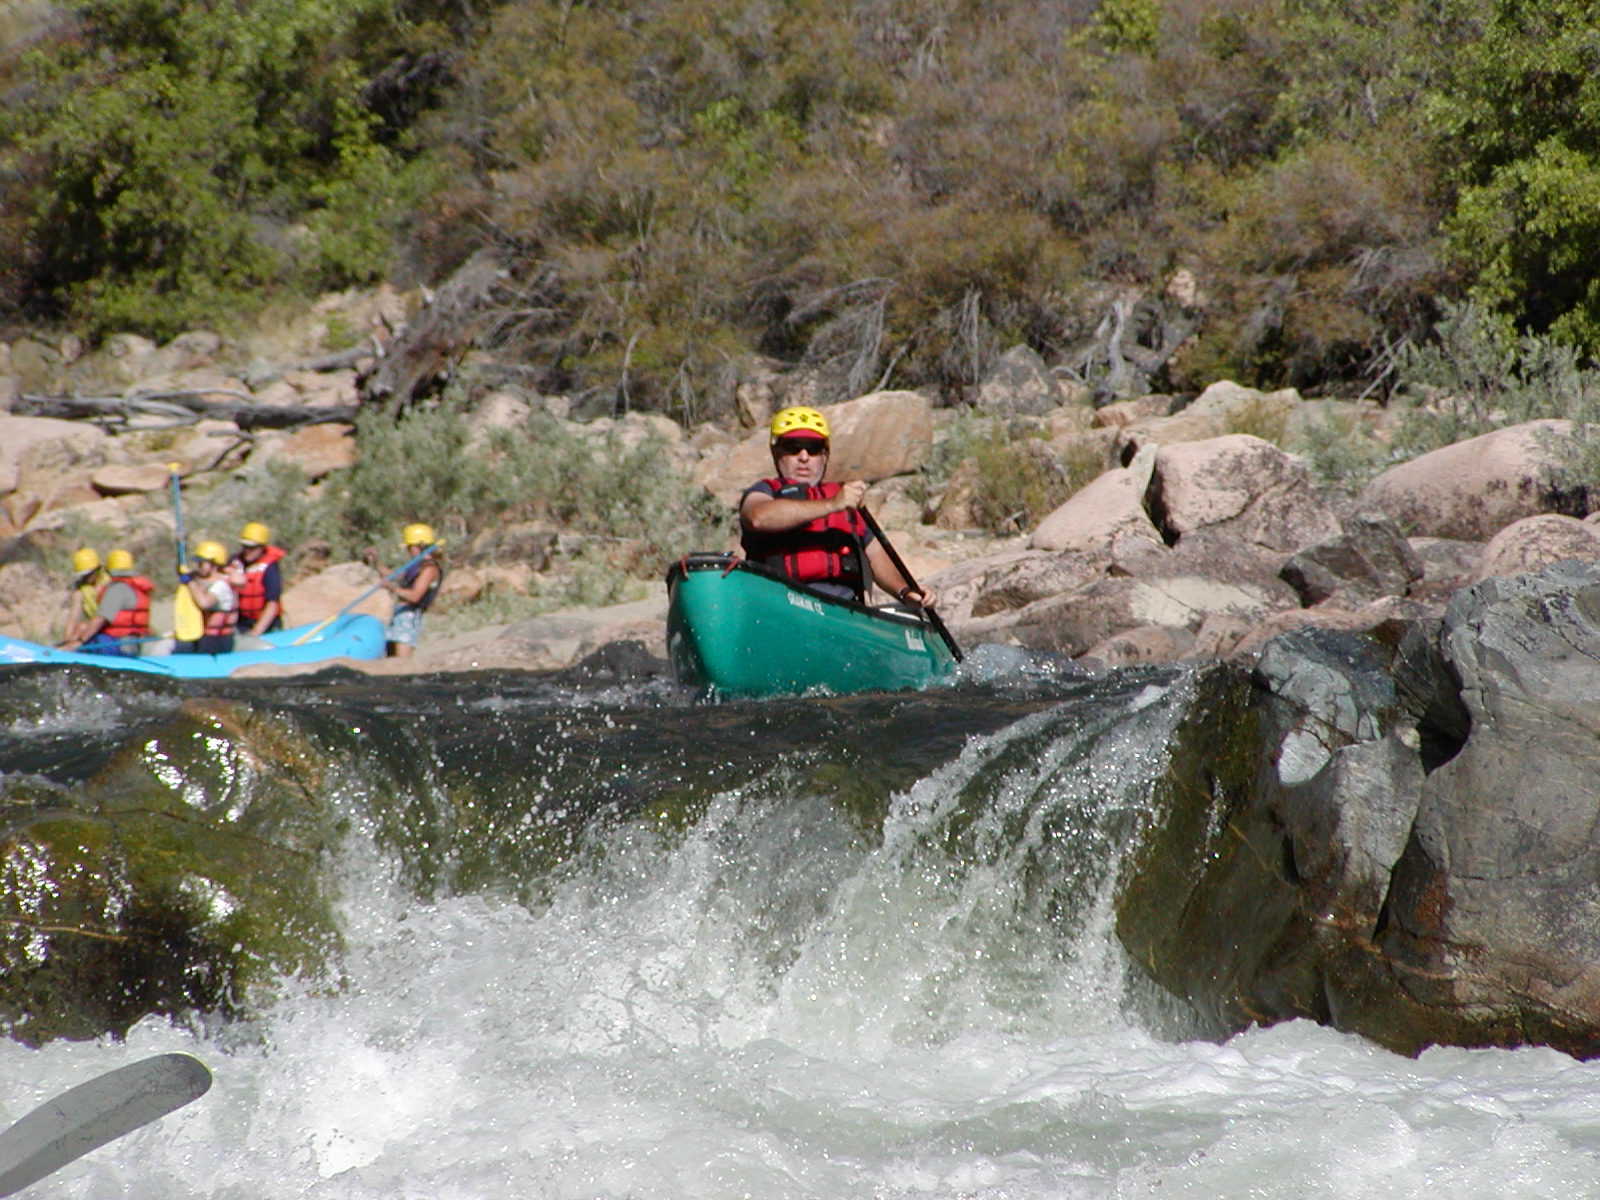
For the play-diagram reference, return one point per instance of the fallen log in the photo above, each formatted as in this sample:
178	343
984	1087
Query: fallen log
182	408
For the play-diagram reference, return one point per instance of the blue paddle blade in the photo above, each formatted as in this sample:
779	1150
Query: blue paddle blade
96	1112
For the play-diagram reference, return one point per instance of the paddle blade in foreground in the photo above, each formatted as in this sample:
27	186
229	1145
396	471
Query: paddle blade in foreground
95	1113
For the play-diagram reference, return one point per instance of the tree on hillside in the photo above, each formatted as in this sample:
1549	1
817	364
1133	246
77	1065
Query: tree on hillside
176	159
1523	104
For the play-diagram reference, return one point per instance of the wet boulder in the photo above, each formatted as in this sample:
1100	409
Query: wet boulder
1391	835
187	872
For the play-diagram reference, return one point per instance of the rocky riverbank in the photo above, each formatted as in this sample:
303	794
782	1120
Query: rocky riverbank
1201	533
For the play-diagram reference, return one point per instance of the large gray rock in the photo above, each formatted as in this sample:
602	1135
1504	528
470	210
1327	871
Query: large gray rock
1368	559
1020	384
1073	622
1395	837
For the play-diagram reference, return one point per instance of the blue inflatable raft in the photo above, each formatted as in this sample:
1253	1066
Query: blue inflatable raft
354	635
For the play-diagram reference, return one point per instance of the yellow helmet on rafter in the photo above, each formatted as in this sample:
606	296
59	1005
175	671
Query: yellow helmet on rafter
787	422
212	552
255	534
418	534
119	560
85	560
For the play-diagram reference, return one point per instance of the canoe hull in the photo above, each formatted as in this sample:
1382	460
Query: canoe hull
743	632
354	635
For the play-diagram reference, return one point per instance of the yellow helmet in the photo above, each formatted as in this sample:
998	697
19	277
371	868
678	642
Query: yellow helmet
85	560
418	534
119	560
255	534
787	421
212	552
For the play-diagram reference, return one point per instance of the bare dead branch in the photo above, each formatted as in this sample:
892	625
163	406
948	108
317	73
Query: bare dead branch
183	407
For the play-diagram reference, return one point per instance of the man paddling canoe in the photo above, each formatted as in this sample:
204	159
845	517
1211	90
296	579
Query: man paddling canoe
813	531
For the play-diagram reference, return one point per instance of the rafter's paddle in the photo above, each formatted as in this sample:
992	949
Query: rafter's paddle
390	577
96	1112
188	623
894	557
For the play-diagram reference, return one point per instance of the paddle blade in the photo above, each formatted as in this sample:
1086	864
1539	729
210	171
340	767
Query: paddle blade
94	1113
188	623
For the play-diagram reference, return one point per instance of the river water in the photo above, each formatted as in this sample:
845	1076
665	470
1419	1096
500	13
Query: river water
883	971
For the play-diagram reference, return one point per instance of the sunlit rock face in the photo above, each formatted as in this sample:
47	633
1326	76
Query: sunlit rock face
1394	836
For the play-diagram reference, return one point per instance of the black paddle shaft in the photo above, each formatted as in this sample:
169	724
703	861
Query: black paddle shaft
894	557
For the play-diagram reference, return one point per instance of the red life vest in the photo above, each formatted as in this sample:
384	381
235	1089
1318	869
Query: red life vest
250	584
827	550
217	622
135	621
221	624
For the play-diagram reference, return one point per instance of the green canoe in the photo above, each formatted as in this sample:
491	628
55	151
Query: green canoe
737	629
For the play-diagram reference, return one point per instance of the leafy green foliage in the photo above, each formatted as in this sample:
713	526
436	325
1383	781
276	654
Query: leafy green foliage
186	157
1476	375
1013	478
1523	100
1343	456
1128	25
881	192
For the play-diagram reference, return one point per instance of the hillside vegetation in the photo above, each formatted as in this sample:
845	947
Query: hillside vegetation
878	190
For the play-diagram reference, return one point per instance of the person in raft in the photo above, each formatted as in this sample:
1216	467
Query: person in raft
83	596
215	597
256	580
122	611
811	530
414	590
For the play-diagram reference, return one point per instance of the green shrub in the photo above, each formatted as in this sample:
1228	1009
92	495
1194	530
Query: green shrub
1476	374
1016	478
1521	103
412	468
274	493
426	466
1341	454
1259	418
180	160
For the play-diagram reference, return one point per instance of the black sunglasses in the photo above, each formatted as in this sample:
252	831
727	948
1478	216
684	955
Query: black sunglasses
794	445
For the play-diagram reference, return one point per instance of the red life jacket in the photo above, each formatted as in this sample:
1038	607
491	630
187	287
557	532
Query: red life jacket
135	621
250	584
217	622
827	550
221	624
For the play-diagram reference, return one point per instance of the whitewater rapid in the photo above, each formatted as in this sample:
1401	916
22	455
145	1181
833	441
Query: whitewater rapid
773	1004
